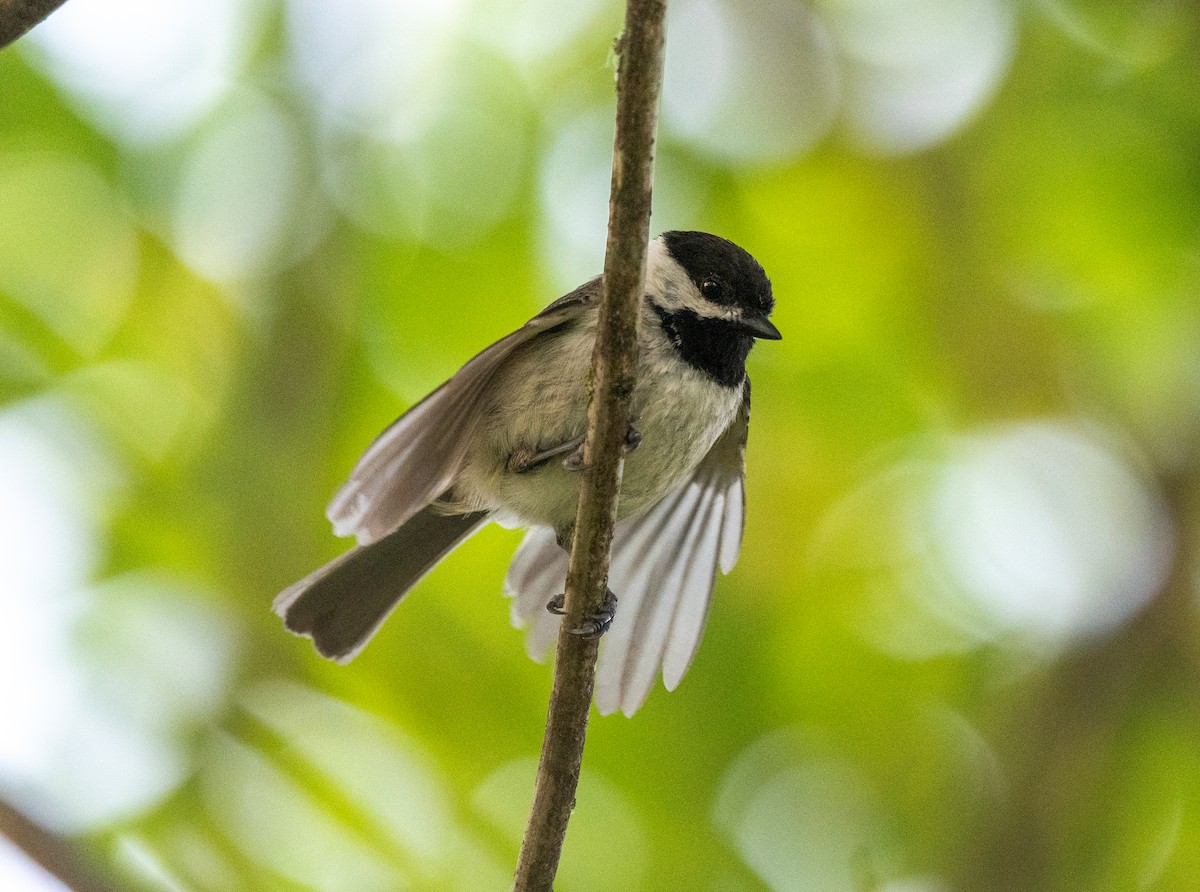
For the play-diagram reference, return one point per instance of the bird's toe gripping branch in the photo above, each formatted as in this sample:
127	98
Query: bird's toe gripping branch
633	439
592	625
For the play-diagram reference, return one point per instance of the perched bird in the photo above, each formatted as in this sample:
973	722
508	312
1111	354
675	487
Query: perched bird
502	440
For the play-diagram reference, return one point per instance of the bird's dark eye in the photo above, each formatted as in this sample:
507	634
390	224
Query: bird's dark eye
712	289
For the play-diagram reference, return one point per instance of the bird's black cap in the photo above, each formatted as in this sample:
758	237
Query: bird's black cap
724	273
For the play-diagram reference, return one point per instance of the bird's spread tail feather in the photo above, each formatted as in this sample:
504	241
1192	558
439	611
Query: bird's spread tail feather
341	605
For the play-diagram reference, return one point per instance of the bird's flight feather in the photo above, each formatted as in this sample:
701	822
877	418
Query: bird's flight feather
416	459
664	563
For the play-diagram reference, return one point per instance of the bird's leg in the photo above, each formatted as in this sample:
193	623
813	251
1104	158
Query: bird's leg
525	459
633	439
520	460
592	625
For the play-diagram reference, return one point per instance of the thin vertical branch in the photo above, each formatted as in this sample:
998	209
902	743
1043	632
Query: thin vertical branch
614	363
18	16
53	853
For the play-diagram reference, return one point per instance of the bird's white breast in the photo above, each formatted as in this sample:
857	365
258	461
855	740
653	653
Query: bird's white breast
678	410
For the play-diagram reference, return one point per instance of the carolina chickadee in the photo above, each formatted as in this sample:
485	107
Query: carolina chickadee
502	440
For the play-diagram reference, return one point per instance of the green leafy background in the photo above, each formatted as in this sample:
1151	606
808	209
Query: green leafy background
960	648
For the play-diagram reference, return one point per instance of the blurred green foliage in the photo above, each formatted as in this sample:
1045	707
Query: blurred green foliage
960	649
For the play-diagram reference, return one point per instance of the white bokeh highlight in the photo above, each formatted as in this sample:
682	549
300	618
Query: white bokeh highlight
239	193
798	816
99	685
48	546
575	174
1048	530
532	31
917	70
749	82
1032	535
420	135
145	71
373	65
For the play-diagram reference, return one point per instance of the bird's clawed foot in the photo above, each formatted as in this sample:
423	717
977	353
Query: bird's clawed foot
633	439
592	625
574	461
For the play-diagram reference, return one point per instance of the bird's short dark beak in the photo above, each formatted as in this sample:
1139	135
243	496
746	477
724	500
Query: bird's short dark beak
760	327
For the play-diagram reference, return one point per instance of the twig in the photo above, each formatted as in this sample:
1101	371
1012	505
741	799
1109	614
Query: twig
18	16
53	853
614	362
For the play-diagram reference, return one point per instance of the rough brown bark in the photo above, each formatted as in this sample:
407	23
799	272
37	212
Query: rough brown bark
18	16
614	363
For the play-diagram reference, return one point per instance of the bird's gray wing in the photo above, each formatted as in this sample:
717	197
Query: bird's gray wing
417	458
663	566
587	293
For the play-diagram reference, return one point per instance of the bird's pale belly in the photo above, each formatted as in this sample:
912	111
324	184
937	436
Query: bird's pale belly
679	417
